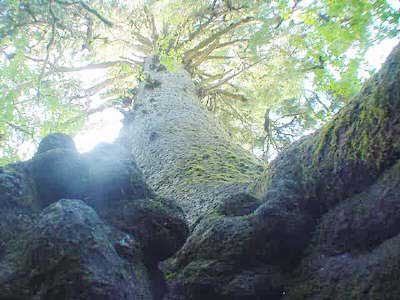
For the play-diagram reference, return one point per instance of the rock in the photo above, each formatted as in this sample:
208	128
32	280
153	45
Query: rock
16	187
204	279
218	237
258	283
113	175
56	141
17	195
215	280
356	247
220	260
59	173
74	255
238	205
105	174
158	224
67	251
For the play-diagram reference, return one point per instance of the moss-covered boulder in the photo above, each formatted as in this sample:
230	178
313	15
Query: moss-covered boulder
113	175
59	173
17	203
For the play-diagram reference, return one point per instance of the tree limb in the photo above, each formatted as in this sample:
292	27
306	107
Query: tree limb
103	65
230	95
192	52
88	9
225	80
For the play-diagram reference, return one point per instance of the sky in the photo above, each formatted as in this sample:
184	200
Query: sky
105	126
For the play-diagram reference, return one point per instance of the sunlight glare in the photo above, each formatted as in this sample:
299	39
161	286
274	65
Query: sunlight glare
101	127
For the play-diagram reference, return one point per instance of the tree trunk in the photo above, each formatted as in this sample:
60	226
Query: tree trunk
183	150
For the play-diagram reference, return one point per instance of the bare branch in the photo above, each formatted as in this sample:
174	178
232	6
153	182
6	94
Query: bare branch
192	52
103	65
202	56
49	46
211	76
152	25
103	84
19	128
147	44
316	97
205	54
231	95
89	9
225	80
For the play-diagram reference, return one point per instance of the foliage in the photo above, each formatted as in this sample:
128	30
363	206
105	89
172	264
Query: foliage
271	70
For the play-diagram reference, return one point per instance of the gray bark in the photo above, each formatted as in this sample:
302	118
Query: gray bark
184	152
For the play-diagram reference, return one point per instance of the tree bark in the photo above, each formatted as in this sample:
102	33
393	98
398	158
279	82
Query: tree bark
183	150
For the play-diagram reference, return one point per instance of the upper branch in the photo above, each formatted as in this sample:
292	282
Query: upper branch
192	52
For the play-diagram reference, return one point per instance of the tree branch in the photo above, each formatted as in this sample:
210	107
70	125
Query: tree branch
225	80
192	52
103	65
204	55
88	9
230	95
19	128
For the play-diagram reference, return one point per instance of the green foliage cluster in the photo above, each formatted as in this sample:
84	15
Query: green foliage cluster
315	67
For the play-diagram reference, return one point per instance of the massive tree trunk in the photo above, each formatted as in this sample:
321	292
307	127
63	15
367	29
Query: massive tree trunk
183	150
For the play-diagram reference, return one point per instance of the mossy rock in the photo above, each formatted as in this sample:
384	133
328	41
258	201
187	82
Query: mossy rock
158	223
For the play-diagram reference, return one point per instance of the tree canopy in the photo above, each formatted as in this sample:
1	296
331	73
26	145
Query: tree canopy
270	70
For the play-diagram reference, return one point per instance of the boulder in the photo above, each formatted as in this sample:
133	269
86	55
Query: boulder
105	246
158	223
113	175
356	247
56	141
72	254
59	173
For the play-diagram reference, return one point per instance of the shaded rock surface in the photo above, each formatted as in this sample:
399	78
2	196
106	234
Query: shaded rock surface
354	253
56	141
72	254
106	244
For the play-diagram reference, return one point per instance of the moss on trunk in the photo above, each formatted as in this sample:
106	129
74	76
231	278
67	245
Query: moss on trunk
183	150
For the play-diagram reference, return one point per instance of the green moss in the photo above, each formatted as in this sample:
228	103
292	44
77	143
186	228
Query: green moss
221	163
170	275
360	137
357	132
